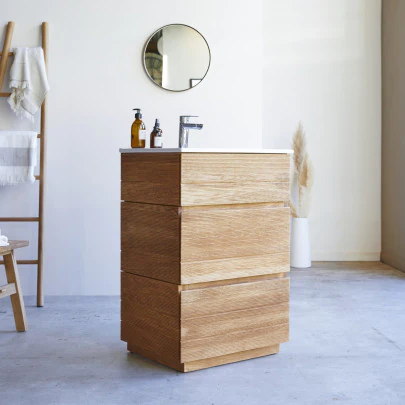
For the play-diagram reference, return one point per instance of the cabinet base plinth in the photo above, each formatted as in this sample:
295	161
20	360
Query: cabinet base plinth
206	363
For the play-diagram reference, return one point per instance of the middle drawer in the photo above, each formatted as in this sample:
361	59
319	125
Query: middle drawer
185	245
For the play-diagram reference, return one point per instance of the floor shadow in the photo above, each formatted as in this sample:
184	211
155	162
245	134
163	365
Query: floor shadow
147	364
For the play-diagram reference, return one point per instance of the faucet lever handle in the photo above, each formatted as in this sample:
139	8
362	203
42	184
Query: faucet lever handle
185	118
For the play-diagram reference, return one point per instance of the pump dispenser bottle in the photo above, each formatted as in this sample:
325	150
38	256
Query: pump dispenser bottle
156	136
138	131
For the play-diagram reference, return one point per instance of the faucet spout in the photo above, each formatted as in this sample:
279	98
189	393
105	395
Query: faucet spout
184	128
193	126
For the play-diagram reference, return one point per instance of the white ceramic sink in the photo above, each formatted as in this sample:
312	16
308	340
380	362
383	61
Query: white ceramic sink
203	150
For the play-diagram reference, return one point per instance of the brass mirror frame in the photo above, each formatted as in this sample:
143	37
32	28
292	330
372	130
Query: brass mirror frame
144	53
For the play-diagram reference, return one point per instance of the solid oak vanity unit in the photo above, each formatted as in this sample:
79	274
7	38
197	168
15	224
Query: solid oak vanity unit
204	254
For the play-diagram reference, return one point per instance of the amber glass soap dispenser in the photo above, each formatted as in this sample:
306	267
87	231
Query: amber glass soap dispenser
138	131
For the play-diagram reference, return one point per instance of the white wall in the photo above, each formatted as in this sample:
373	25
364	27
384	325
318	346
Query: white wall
322	66
96	77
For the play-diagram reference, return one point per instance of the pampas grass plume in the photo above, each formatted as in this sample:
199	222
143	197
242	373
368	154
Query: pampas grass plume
303	177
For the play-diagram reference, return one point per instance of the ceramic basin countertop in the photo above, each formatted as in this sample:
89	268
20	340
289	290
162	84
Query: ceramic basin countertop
203	150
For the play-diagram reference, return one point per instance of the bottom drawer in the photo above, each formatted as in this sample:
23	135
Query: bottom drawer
216	321
183	325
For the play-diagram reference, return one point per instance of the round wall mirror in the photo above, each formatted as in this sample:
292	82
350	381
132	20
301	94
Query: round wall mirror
176	57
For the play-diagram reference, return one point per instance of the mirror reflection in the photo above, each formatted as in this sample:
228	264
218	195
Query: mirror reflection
177	57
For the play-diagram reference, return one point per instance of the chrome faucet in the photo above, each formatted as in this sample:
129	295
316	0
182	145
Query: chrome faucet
184	127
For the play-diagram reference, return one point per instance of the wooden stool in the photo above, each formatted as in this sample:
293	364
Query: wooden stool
13	288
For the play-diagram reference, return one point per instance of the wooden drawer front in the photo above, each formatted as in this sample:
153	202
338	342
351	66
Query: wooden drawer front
213	179
223	233
228	268
221	320
234	193
234	168
151	178
150	240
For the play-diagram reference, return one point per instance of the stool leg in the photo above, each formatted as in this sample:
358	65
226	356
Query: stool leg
17	300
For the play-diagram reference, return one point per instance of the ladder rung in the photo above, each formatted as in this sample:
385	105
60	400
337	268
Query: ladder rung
22	262
5	94
37	177
39	136
9	54
19	219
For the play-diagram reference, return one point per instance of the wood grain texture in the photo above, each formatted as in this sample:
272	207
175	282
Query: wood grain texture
205	252
150	316
230	268
19	219
152	193
222	234
224	282
17	299
233	168
13	244
233	193
220	345
151	264
235	321
141	293
5	51
42	175
151	178
140	223
150	241
145	318
165	349
229	358
234	297
151	167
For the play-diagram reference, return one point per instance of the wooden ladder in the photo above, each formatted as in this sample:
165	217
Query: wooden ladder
4	55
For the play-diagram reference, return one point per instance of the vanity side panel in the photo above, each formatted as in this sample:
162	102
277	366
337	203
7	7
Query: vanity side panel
150	241
152	178
150	322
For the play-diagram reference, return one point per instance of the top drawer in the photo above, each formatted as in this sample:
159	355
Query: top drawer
188	179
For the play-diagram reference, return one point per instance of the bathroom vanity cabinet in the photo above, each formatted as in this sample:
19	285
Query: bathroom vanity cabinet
204	255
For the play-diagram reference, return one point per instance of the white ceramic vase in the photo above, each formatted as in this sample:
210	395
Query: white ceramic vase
300	255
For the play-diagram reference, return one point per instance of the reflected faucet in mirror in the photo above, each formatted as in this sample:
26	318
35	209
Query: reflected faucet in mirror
184	126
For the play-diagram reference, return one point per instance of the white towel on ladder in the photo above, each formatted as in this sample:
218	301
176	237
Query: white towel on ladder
28	82
3	240
18	157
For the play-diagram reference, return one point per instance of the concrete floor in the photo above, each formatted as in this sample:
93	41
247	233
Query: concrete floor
347	346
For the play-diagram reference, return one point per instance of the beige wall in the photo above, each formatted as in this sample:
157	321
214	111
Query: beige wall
393	133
